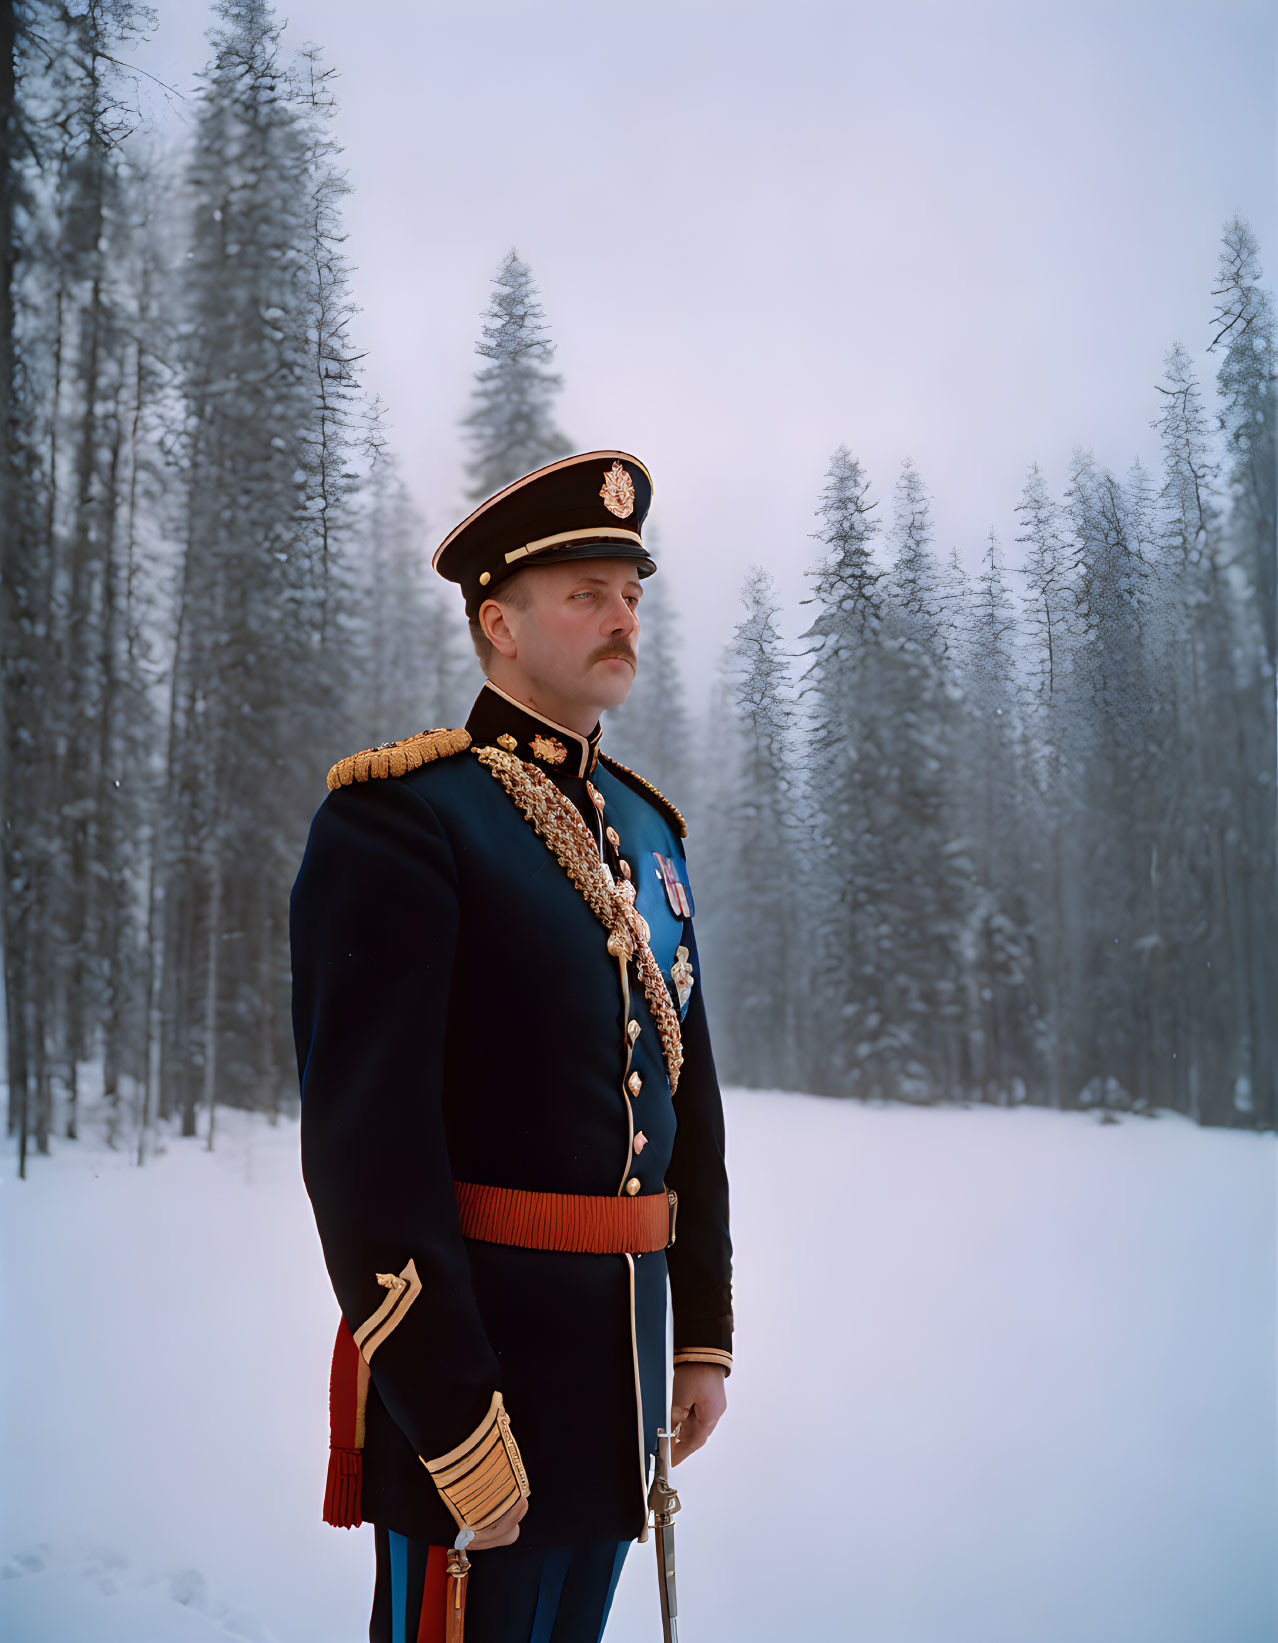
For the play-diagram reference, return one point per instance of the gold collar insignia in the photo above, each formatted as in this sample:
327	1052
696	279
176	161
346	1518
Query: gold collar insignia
549	748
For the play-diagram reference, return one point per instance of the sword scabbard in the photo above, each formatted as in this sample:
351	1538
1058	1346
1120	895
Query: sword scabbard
664	1503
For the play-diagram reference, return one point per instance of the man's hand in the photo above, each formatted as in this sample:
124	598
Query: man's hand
699	1400
502	1533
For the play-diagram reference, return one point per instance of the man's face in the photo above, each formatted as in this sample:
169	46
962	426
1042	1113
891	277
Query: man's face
577	640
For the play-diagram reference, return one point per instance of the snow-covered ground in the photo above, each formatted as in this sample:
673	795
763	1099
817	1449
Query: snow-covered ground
1002	1377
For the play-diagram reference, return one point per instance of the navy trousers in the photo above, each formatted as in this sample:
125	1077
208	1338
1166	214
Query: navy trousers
559	1596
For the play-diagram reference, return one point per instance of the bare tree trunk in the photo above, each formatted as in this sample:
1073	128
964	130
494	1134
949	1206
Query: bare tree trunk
171	884
13	530
211	988
266	1041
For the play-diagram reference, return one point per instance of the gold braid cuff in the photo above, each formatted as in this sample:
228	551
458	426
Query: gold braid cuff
483	1477
556	821
704	1354
397	758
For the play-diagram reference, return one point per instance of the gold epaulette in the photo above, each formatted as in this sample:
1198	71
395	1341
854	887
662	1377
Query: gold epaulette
632	778
397	758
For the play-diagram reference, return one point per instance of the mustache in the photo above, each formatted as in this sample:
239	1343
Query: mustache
623	653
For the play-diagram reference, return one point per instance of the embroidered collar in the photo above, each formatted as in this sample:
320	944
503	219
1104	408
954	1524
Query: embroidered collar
498	720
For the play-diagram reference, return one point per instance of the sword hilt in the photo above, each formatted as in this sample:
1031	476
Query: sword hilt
663	1502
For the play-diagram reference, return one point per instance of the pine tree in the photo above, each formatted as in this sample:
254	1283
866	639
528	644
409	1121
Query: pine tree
344	426
953	591
1230	637
1118	772
1047	602
27	653
845	581
413	655
923	884
68	320
1243	327
511	424
1191	483
269	382
1048	628
24	645
843	1030
753	937
913	581
996	941
134	563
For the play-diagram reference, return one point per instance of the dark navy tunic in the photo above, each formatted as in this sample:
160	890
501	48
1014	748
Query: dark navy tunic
459	1017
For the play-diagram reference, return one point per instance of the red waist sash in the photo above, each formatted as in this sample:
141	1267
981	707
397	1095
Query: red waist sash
567	1221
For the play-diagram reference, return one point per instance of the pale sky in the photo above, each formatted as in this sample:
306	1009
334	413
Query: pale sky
962	232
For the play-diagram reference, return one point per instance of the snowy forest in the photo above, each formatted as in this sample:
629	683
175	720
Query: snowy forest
1002	836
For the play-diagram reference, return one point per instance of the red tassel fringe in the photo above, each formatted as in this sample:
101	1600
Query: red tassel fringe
347	1391
342	1491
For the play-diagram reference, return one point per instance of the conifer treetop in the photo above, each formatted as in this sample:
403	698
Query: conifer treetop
511	425
844	579
1191	482
913	575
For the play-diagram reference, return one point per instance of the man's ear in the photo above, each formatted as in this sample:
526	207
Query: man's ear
492	618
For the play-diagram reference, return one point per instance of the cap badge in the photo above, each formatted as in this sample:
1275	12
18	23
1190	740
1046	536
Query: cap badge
549	748
618	492
507	743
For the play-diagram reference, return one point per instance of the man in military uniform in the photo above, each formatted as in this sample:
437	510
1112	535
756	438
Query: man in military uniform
511	1126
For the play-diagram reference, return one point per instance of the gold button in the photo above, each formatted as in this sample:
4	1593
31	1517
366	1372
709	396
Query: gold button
633	1031
485	578
625	869
632	1185
613	837
634	1083
507	743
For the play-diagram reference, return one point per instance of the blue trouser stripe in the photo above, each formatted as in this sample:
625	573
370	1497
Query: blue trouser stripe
399	1585
623	1547
560	1596
554	1571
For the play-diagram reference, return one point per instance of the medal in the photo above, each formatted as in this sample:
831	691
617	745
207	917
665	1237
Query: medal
682	976
677	893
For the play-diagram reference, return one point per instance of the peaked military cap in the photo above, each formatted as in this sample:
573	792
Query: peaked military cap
590	506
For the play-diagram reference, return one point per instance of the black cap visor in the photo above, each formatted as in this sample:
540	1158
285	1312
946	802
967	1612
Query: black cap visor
601	549
592	550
